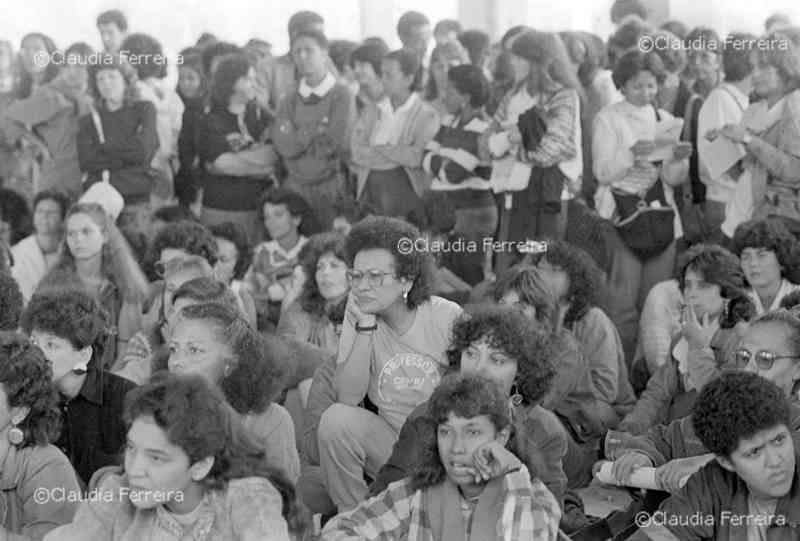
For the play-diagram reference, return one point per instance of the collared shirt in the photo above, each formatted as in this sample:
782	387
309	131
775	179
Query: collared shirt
786	288
391	121
325	86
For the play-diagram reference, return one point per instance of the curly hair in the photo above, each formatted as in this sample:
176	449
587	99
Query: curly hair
236	235
27	379
384	233
295	204
191	237
259	373
196	418
788	317
223	80
770	235
207	290
11	302
527	283
507	329
311	300
148	48
585	278
111	62
736	406
71	314
466	397
56	196
15	211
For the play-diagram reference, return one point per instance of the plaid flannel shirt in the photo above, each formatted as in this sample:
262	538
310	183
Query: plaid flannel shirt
530	513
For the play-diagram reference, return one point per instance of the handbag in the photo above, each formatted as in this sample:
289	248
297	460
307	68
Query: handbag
645	221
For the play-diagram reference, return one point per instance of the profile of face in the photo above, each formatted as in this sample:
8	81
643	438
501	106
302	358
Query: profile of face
227	256
279	221
244	91
85	238
555	277
331	277
195	348
457	440
6	58
767	81
62	355
520	67
774	337
511	298
704	297
704	65
111	36
641	89
395	82
111	85
765	462
761	267
9	416
378	287
159	472
47	217
189	82
417	39
308	56
494	364
34	55
365	74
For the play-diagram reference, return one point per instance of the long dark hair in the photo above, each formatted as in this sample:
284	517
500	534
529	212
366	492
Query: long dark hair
25	83
311	300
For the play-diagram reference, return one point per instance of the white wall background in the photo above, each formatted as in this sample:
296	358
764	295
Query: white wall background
178	23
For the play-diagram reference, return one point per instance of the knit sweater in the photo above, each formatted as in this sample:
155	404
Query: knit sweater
311	134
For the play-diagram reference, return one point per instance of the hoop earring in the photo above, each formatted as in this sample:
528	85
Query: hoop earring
725	309
15	435
405	296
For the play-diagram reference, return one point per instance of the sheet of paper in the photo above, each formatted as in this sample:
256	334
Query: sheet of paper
668	132
722	154
602	500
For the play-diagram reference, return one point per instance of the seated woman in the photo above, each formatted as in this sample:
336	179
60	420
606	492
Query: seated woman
467	482
138	356
98	260
501	345
574	278
392	350
30	463
316	316
70	328
771	348
711	280
214	341
769	256
234	255
189	472
271	279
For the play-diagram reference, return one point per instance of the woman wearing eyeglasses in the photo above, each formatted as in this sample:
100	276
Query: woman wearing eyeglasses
771	348
392	351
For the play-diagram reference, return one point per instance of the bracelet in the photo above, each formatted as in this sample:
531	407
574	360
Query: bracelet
371	328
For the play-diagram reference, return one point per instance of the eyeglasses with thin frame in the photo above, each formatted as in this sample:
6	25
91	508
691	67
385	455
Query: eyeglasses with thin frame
374	277
764	359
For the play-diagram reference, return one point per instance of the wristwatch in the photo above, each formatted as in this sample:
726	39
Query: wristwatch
371	328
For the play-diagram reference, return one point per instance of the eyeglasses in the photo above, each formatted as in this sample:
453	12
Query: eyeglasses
764	359
374	277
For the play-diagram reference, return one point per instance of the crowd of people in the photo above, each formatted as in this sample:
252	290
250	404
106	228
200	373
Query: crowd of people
356	293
